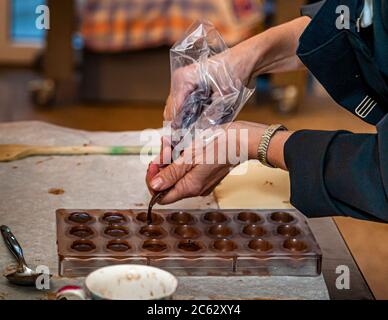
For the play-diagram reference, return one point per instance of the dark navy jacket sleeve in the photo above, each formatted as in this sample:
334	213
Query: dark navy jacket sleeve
339	173
311	10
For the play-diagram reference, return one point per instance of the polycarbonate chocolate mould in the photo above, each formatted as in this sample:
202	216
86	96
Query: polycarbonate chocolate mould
189	242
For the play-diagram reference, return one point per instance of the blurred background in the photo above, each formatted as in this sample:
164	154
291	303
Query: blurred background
104	65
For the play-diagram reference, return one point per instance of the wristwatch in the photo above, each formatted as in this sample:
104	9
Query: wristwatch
264	143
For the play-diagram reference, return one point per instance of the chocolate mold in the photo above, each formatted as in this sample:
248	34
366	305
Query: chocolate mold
253	230
220	231
287	230
80	217
154	245
116	231
156	218
188	242
281	217
181	218
214	217
114	218
190	245
186	232
248	217
260	245
295	245
81	231
118	246
225	245
152	231
83	246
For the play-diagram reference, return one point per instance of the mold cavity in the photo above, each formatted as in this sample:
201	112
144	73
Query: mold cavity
248	217
187	232
220	231
181	218
114	218
119	246
215	217
190	246
156	219
154	245
224	245
260	245
254	230
80	217
295	245
152	231
83	245
81	231
288	230
116	231
282	217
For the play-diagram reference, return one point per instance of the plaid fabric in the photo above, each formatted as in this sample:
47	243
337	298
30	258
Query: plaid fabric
117	25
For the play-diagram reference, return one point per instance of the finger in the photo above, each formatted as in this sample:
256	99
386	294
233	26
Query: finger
209	189
174	102
180	97
195	183
152	171
184	81
165	156
168	114
159	161
172	196
170	175
184	188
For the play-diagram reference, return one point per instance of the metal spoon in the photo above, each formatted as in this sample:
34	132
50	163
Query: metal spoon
23	275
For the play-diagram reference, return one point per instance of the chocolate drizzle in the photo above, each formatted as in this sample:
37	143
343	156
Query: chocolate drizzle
155	198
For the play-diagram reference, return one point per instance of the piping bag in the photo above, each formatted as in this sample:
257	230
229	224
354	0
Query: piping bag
217	98
189	113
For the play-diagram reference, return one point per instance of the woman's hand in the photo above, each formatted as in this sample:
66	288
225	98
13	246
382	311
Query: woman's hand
195	173
220	69
271	51
191	175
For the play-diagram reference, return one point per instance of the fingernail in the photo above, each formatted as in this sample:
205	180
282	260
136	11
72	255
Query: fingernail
157	183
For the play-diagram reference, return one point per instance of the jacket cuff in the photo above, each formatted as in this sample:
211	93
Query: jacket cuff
305	153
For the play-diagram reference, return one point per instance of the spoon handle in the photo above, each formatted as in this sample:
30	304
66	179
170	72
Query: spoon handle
13	245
